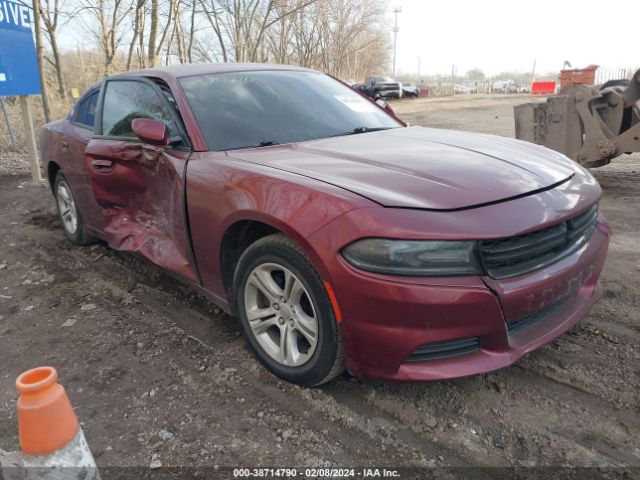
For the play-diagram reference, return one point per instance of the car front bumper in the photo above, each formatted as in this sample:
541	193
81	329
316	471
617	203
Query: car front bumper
386	320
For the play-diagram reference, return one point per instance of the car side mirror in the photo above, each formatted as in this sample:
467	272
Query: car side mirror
382	103
151	131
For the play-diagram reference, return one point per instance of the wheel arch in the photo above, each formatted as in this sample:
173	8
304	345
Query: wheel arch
52	171
245	230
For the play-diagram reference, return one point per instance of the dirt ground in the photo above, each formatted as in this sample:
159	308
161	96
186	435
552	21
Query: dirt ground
158	374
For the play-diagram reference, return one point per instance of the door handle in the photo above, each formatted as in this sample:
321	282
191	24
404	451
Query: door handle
102	165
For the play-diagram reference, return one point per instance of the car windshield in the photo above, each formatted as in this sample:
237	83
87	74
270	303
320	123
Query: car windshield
252	109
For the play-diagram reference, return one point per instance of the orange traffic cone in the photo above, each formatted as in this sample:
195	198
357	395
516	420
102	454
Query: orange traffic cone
51	442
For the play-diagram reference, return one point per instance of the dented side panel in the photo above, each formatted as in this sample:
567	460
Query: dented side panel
141	192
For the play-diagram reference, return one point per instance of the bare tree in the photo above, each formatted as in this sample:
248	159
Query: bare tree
40	55
242	25
172	12
347	38
192	30
109	34
213	13
138	21
153	32
176	37
50	13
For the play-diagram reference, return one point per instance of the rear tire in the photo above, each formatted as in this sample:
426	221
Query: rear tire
285	312
70	216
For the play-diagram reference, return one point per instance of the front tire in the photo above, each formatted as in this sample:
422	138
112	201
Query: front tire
70	217
285	312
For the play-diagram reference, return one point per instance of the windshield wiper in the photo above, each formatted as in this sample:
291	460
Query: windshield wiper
266	143
357	130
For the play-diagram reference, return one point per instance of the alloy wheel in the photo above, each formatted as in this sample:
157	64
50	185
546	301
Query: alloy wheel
281	314
67	207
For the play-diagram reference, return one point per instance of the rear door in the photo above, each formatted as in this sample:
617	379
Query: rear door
77	135
140	187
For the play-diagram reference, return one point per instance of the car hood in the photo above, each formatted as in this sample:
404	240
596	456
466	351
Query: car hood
418	167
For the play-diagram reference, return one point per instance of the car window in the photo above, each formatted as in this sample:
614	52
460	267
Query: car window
90	114
85	110
126	100
80	111
243	109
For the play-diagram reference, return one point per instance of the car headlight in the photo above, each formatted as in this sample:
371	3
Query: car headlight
428	258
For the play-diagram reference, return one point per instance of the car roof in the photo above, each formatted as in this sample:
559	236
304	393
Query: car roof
178	71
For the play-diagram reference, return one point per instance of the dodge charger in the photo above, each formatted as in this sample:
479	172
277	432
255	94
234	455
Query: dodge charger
340	237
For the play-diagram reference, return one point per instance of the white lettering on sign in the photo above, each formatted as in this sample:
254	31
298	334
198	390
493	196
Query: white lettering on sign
14	13
3	77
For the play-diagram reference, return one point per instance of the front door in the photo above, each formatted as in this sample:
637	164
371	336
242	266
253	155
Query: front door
139	186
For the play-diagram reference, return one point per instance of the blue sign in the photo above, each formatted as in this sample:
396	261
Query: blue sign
19	74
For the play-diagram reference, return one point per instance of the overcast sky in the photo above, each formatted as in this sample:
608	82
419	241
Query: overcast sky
508	35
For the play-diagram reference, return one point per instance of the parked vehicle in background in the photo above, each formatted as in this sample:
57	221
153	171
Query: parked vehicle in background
381	87
338	237
501	86
410	89
462	89
523	89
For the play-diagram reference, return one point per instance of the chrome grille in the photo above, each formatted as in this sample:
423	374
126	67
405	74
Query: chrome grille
508	257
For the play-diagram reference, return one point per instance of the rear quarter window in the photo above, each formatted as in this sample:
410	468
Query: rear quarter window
85	111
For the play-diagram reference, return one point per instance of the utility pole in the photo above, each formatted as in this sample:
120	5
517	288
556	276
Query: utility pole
396	11
533	72
453	80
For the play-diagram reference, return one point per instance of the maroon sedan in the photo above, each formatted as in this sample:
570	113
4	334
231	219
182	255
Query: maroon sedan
338	236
